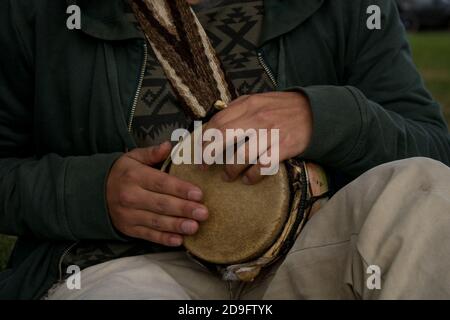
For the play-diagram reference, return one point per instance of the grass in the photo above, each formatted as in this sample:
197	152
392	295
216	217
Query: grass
431	52
6	244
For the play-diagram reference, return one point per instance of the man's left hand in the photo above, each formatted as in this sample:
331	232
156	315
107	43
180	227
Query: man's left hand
290	112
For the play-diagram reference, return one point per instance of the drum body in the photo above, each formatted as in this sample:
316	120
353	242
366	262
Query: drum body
249	226
244	220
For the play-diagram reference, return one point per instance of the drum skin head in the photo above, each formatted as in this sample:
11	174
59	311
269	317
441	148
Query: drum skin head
244	221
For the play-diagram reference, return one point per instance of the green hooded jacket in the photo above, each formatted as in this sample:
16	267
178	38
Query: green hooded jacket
66	98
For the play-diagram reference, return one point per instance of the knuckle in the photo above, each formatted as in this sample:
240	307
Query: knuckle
265	115
152	152
121	218
129	176
150	236
120	164
186	209
286	140
176	226
220	116
217	119
163	238
160	185
126	198
180	190
161	205
128	230
155	223
253	101
122	223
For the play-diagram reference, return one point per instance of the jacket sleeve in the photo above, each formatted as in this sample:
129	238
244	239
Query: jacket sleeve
383	112
50	197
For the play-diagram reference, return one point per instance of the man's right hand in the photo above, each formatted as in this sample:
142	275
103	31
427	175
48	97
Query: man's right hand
148	204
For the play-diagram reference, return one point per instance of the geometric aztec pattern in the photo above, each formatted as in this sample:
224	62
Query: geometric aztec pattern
234	27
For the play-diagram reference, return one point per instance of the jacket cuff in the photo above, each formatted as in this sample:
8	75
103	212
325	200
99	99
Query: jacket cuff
337	123
85	197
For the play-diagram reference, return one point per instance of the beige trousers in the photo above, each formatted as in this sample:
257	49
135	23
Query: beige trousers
384	236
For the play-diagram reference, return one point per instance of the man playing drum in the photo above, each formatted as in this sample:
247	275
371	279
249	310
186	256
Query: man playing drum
85	116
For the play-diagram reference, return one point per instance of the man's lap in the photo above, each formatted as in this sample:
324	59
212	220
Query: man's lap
395	216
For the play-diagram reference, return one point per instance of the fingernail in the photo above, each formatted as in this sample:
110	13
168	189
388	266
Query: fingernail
175	241
188	227
200	214
195	195
225	177
245	180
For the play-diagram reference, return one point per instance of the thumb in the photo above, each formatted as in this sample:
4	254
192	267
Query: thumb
151	155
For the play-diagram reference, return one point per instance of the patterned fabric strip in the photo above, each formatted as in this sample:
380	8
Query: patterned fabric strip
187	57
233	27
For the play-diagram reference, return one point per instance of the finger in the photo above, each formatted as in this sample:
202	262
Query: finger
231	134
166	205
238	100
243	128
233	117
161	182
233	171
253	175
231	112
270	166
241	121
239	107
151	155
164	238
246	155
166	223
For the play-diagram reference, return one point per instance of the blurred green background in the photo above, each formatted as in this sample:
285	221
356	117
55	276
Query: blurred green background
431	52
6	244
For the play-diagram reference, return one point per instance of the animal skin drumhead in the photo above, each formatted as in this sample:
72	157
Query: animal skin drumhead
244	220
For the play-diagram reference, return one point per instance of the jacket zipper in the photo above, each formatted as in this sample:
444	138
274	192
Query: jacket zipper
133	110
130	123
267	69
61	259
138	91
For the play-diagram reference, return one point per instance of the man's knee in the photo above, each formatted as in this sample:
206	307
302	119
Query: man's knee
425	165
423	173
